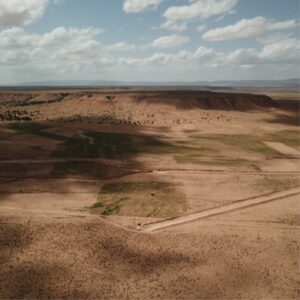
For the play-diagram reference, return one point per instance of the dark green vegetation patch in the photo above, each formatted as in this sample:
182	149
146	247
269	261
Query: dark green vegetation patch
113	146
35	129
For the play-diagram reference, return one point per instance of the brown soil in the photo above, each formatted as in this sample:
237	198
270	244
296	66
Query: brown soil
44	255
61	237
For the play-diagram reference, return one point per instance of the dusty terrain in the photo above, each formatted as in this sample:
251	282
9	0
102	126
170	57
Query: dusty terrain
80	168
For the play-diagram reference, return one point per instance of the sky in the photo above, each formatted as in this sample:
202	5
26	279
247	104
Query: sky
148	40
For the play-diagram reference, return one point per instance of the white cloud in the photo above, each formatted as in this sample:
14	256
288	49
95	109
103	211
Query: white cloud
201	8
281	52
241	57
201	28
121	46
174	25
170	41
182	60
71	52
61	49
21	12
16	38
137	6
73	48
65	36
275	37
248	28
202	56
60	37
285	51
289	24
243	29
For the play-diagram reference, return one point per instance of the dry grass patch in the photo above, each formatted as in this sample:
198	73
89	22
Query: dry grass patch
276	184
287	137
142	199
199	159
225	150
247	143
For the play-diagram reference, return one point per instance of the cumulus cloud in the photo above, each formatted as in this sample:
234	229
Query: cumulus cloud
170	41
241	57
16	38
66	36
70	51
248	28
21	12
200	8
289	24
174	25
137	6
61	49
275	37
285	51
201	55
121	46
62	37
282	52
181	60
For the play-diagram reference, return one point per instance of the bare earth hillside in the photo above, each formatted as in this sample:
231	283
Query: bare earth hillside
213	179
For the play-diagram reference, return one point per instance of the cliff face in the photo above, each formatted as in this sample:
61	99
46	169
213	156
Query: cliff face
35	105
179	99
208	100
27	99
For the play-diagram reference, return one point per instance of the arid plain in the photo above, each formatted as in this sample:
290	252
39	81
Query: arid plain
213	177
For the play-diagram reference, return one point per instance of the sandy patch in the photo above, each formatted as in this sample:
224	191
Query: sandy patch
280	165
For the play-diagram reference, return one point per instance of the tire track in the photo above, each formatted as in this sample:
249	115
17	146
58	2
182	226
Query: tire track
238	205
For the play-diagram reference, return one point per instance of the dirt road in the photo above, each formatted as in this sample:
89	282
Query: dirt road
242	204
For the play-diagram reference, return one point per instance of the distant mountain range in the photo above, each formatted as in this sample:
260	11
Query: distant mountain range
291	83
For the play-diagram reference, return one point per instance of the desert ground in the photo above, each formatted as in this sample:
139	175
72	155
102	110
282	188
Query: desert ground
212	176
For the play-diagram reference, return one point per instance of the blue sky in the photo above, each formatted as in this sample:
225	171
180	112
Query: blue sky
155	40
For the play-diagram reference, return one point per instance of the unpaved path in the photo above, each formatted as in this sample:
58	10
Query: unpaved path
282	148
13	178
54	160
141	171
242	204
45	212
